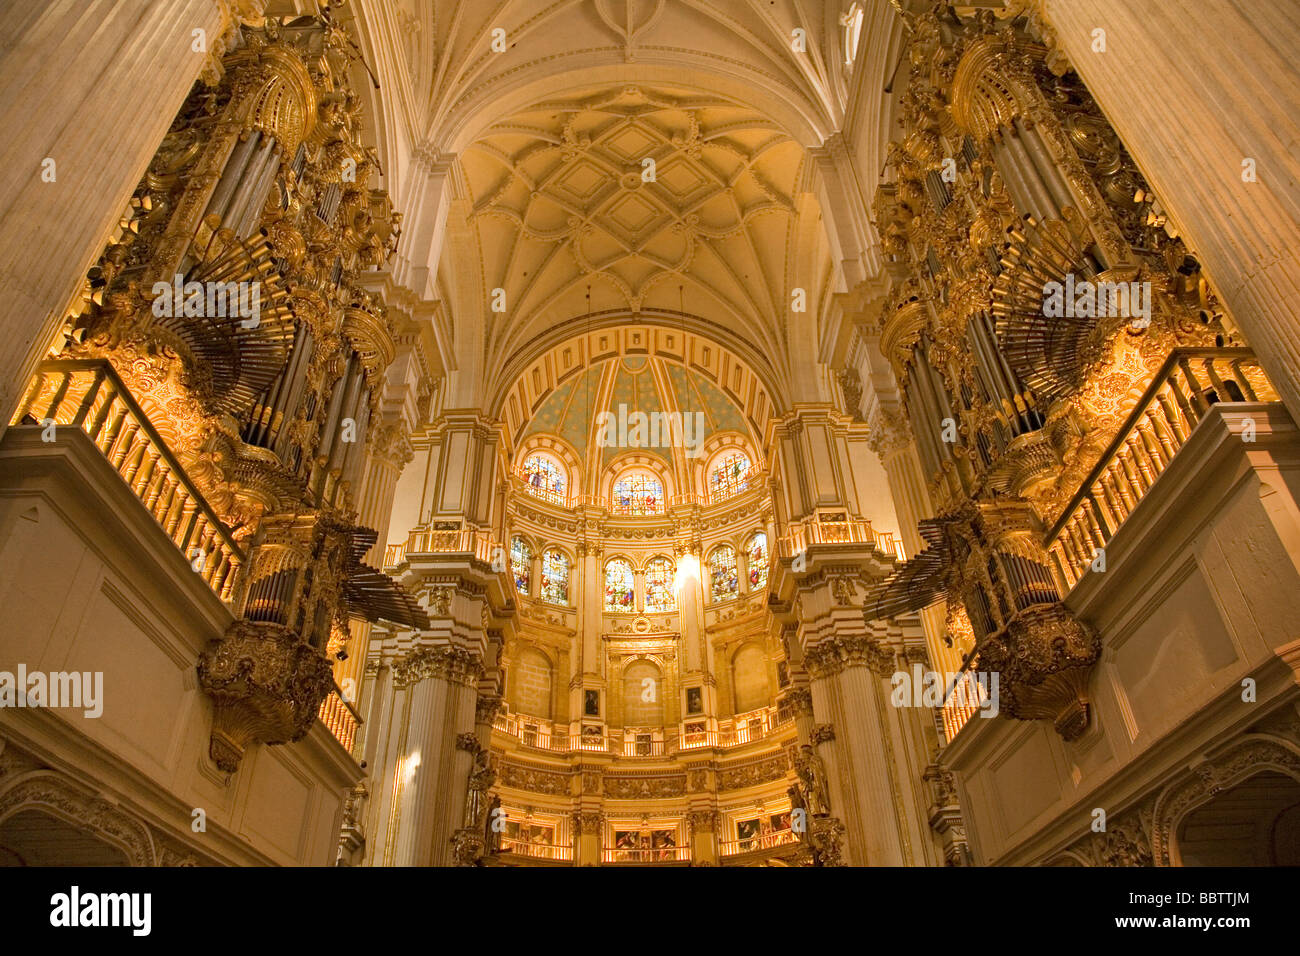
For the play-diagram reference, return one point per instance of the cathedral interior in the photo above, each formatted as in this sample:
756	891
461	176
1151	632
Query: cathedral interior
650	433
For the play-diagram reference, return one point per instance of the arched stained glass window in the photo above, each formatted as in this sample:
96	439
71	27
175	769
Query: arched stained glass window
638	493
545	478
728	475
659	594
722	572
618	586
521	560
756	555
555	577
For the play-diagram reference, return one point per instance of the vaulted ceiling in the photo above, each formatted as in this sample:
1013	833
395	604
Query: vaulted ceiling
543	114
444	51
633	198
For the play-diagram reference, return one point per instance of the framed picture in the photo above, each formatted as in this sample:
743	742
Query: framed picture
747	834
694	700
531	839
591	703
663	843
630	846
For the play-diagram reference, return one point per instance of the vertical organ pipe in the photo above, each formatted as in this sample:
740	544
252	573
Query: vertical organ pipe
230	177
1048	171
1041	197
332	416
1011	175
248	184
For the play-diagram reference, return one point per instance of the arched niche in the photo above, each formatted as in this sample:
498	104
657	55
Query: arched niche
643	693
531	683
750	682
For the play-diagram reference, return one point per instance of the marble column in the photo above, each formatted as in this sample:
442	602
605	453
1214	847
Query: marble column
588	827
1196	89
421	757
93	86
428	768
585	656
846	688
705	848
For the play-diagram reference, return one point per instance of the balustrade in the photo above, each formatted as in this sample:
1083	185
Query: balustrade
88	394
340	718
1190	382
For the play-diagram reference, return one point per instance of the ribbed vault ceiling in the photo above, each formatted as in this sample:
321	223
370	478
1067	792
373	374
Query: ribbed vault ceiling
538	113
562	208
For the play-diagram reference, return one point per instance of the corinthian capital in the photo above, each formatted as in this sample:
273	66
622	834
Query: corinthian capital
443	662
487	708
830	656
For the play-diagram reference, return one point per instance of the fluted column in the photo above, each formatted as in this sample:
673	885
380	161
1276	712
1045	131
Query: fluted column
690	605
1195	88
585	664
92	85
897	451
846	687
588	826
383	733
425	771
417	789
705	848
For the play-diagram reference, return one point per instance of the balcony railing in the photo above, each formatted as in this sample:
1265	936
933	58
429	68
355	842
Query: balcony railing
538	735
340	718
424	541
663	854
540	851
1189	383
823	530
749	479
753	479
761	841
87	394
962	702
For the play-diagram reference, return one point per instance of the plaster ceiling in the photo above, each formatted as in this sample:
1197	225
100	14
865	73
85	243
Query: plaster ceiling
539	113
560	208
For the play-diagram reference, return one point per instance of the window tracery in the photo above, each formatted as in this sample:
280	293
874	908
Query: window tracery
555	577
659	593
545	478
723	579
521	563
756	557
728	475
619	588
638	493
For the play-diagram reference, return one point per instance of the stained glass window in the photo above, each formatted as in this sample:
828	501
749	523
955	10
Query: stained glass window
756	555
638	493
545	478
659	595
728	476
618	586
555	577
722	572
521	560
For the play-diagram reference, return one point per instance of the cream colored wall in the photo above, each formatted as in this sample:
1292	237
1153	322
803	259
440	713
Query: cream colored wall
875	502
89	583
1202	587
